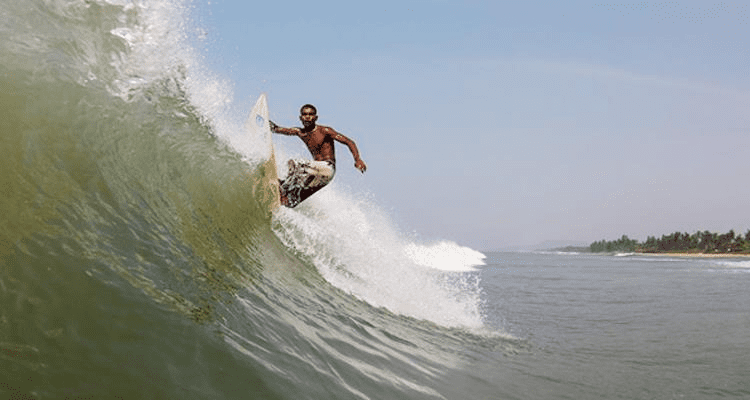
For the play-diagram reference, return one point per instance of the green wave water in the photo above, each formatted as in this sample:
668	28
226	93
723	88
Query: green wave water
138	256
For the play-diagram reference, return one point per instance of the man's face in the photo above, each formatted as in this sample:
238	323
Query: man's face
308	117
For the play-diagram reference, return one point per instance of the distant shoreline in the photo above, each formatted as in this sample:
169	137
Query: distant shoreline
572	249
697	255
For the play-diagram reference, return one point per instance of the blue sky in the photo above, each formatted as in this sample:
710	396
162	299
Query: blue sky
494	124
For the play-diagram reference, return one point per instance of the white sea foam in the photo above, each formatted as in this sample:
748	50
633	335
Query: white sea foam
356	247
445	256
744	264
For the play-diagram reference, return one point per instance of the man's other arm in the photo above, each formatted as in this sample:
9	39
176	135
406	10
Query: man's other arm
358	163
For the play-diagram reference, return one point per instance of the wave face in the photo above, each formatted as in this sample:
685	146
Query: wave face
140	260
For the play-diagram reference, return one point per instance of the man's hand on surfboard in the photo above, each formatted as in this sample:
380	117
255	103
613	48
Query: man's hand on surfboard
360	165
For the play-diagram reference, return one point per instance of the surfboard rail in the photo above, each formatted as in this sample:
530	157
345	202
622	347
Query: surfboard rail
258	125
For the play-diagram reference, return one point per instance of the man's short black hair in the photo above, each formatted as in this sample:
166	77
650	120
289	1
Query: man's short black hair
309	106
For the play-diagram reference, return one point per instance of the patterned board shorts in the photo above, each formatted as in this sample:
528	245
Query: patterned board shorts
305	177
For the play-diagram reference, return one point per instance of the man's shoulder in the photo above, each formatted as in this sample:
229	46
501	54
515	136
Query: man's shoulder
327	130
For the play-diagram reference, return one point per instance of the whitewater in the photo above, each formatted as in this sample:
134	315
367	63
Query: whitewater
140	259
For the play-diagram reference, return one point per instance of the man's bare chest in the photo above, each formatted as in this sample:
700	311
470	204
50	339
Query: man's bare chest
316	140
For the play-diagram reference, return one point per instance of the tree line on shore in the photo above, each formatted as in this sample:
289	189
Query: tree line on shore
698	242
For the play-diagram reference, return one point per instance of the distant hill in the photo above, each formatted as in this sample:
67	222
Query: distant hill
573	249
560	244
555	245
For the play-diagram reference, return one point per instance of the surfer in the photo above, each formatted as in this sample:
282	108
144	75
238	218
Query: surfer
306	177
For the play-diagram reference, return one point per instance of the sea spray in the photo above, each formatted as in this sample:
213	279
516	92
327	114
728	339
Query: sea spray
356	247
445	255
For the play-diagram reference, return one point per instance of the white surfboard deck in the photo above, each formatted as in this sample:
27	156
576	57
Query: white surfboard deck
257	125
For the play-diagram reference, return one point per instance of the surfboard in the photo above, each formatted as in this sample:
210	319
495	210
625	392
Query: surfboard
257	125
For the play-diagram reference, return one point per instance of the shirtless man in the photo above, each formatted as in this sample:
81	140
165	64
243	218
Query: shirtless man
307	177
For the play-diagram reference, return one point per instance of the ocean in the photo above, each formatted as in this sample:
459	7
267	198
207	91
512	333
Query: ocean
139	258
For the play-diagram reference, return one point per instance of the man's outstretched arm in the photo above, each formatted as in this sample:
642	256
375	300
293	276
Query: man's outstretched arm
358	163
284	131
